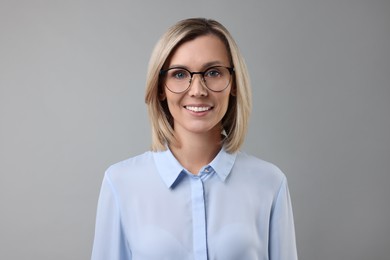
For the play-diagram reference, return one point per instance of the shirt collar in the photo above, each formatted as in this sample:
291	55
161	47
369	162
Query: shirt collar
223	163
170	169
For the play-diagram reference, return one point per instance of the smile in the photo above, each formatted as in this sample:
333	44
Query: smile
197	109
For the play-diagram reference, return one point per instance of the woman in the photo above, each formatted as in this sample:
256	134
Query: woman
195	196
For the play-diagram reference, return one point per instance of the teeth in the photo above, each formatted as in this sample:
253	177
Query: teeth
197	109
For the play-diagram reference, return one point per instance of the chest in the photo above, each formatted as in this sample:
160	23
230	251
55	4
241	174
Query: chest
198	220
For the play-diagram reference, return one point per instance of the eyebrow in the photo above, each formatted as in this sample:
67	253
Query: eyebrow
204	66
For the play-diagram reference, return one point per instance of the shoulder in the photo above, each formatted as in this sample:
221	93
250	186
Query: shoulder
258	168
130	166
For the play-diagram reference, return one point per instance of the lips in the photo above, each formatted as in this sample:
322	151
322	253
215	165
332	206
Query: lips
198	108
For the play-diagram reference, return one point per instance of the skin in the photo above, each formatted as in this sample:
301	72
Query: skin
198	133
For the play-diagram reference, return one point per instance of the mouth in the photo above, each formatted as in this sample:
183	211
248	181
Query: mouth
198	109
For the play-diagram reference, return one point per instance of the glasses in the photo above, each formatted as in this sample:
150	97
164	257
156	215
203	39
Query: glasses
178	79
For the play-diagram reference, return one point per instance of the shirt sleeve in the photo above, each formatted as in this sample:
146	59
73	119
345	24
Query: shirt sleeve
282	244
109	242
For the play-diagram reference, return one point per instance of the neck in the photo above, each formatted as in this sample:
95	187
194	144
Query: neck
197	150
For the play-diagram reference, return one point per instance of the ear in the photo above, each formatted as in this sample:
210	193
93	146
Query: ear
233	90
162	96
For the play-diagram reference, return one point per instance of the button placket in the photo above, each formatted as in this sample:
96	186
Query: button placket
199	219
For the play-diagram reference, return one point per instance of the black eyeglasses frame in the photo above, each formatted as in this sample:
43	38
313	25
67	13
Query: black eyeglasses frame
202	73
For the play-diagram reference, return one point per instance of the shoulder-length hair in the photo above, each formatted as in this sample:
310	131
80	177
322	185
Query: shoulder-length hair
235	121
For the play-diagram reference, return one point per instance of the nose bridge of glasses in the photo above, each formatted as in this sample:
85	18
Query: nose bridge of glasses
201	74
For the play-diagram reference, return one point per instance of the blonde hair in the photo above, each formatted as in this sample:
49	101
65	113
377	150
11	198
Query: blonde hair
235	121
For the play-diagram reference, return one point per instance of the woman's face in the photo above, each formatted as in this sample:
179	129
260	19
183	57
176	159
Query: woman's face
199	110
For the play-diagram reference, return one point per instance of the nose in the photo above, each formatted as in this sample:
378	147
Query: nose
197	86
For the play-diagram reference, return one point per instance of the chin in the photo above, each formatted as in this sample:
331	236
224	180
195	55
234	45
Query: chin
202	129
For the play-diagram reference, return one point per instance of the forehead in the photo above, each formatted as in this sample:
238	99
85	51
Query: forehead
199	52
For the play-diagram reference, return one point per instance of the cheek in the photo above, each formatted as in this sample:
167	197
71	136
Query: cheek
226	101
173	104
170	107
224	105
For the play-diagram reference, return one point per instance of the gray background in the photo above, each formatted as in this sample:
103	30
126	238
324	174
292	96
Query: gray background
72	77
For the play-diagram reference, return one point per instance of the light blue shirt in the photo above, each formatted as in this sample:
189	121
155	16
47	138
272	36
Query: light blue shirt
151	208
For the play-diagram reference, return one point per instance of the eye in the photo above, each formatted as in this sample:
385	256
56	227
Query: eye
213	73
178	74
